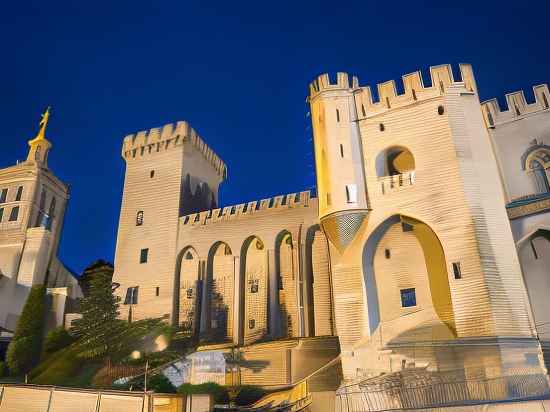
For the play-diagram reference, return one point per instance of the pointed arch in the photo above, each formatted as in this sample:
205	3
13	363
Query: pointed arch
317	285
220	281
187	291
415	241
286	293
253	293
534	257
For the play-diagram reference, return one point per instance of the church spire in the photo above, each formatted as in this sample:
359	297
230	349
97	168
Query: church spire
40	146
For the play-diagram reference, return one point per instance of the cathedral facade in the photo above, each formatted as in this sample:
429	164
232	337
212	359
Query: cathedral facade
409	254
32	207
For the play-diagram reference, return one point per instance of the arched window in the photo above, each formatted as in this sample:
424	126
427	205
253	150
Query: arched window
536	162
540	176
394	161
139	218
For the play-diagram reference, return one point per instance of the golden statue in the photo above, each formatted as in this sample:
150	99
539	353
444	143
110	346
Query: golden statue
43	124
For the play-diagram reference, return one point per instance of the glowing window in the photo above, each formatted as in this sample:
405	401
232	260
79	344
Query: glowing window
351	193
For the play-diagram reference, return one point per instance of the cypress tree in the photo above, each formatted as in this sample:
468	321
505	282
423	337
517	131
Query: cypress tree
25	346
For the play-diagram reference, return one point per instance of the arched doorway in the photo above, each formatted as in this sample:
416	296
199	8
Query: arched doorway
318	288
286	286
188	291
221	291
254	291
407	284
534	256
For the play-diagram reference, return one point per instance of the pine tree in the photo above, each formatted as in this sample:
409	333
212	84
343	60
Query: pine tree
25	346
99	329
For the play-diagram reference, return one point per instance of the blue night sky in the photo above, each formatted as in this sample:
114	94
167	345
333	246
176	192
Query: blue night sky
237	71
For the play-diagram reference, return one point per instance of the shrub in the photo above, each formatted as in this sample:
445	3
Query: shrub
219	392
20	355
25	346
56	339
160	384
249	394
3	369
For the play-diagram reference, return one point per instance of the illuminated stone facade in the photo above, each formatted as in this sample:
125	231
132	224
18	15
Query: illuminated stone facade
32	206
407	254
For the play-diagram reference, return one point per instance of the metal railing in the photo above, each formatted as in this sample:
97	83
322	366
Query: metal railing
439	390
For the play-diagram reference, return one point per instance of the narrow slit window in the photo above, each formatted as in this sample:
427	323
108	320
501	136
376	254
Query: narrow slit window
143	255
337	115
157	291
19	194
1	214
139	218
14	214
387	253
152	174
341	150
456	270
363	110
351	193
490	118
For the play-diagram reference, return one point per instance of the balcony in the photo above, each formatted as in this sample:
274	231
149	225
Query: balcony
394	182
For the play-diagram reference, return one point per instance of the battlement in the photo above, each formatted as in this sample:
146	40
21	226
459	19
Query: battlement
517	106
288	201
158	139
441	78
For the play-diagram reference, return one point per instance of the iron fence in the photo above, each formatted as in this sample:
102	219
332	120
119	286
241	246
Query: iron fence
423	393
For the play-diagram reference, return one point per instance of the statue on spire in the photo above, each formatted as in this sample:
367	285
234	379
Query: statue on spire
40	146
43	124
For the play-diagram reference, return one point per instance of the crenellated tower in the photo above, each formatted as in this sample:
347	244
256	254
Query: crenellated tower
170	172
341	185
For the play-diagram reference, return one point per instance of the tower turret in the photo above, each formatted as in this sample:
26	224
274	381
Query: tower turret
40	146
343	198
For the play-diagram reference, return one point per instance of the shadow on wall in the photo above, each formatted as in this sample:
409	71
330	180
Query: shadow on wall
202	198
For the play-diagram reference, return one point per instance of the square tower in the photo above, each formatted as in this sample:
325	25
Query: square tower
170	172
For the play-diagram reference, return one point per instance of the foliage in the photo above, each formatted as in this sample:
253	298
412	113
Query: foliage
219	392
25	346
99	329
57	369
3	369
248	394
56	339
160	384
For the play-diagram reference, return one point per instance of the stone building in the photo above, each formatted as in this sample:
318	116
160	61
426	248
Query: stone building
407	255
32	206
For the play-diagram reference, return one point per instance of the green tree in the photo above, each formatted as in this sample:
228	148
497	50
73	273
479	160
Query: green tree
57	338
99	329
100	334
25	346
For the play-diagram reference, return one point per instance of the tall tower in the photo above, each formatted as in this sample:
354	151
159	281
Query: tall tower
32	208
343	199
170	172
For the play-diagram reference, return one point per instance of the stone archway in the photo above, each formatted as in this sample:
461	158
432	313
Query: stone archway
187	291
318	284
534	256
407	283
286	273
254	282
221	292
